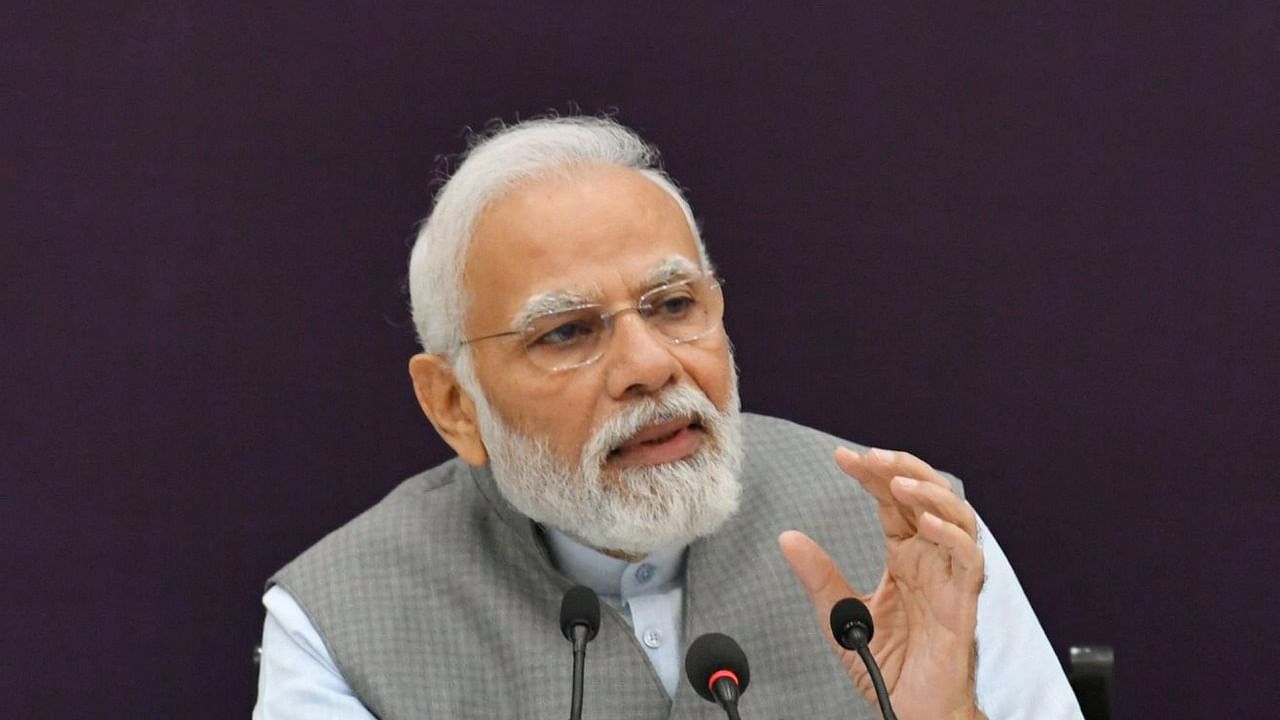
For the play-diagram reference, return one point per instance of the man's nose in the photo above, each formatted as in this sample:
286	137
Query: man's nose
639	359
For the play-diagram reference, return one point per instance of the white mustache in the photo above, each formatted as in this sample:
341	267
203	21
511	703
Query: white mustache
678	402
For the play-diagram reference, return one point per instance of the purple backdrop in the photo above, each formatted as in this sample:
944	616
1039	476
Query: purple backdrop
1037	245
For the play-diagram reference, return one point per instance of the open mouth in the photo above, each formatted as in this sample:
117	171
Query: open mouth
665	442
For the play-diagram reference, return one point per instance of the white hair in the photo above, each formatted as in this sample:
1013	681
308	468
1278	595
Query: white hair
492	166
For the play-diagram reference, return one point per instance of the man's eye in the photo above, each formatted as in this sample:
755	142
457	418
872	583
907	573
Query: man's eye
675	306
563	335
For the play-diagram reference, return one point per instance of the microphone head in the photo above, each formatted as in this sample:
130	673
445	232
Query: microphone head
710	655
580	606
847	614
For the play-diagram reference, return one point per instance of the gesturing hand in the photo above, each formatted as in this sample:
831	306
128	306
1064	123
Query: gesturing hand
926	606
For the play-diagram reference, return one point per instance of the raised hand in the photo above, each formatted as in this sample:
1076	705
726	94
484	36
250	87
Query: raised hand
926	605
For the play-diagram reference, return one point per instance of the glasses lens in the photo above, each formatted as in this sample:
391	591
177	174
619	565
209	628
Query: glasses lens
686	310
564	339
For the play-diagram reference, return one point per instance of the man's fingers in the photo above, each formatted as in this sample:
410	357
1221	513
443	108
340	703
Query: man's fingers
967	563
866	472
876	470
926	497
815	570
884	464
897	520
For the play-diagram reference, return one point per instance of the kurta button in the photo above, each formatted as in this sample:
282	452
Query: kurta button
644	573
652	639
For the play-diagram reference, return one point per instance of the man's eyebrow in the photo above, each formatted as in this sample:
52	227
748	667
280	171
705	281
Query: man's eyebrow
672	269
549	303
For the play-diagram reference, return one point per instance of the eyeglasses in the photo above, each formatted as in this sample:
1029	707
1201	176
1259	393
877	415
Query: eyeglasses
562	340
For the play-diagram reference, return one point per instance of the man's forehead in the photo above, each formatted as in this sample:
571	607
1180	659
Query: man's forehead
585	237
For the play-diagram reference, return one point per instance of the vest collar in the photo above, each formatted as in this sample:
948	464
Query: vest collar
525	529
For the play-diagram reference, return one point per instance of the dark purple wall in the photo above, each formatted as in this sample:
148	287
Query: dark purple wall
1037	245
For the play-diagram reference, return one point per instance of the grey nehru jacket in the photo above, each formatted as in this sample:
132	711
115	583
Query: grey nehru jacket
441	601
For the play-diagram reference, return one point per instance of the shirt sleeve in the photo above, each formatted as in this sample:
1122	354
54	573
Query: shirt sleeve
297	680
1018	674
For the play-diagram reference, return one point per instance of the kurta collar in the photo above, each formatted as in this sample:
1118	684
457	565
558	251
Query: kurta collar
614	576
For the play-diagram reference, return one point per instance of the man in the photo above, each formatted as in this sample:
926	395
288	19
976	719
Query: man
575	359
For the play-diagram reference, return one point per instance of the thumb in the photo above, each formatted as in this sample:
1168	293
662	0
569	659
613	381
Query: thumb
816	571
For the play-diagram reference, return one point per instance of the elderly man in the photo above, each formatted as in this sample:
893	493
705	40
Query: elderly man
575	360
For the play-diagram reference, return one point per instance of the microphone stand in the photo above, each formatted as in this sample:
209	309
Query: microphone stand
579	623
852	627
877	680
579	662
726	694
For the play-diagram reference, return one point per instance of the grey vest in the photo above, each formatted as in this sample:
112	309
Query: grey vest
441	600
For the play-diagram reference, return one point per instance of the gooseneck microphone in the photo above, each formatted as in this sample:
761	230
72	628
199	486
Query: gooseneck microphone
579	623
851	626
717	668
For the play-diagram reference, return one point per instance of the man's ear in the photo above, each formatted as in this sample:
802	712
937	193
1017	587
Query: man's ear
448	406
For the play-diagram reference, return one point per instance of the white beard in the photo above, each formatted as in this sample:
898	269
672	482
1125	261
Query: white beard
635	510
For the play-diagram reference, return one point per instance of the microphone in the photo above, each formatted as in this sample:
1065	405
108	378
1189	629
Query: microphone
579	623
851	626
718	670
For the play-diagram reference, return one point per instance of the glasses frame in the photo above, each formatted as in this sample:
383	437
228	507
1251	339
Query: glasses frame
607	317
